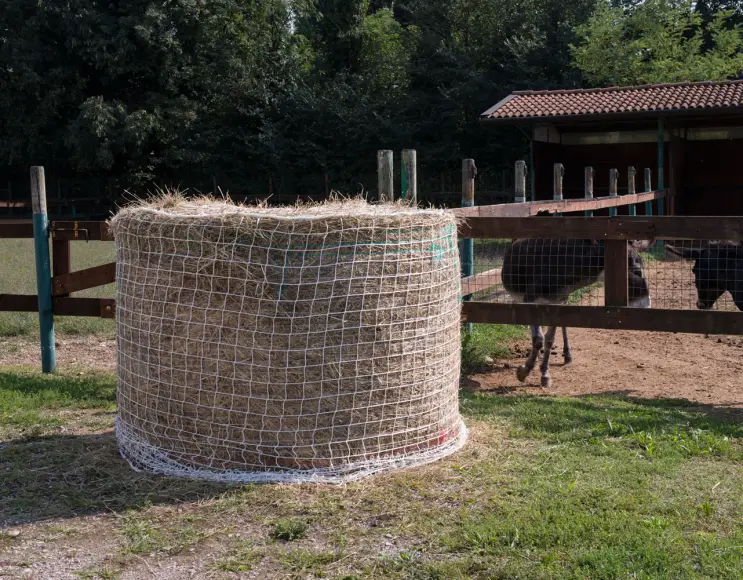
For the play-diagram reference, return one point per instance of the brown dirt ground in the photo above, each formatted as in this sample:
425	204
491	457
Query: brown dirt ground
707	370
700	368
85	352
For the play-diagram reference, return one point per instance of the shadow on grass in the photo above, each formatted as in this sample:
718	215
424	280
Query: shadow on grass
66	476
605	416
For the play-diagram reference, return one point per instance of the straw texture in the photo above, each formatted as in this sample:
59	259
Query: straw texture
308	343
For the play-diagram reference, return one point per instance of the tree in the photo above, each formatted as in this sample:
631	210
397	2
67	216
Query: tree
657	41
141	89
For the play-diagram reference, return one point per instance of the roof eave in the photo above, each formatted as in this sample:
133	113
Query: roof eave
623	116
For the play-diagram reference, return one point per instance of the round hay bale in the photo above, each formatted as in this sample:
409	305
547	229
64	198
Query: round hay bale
308	343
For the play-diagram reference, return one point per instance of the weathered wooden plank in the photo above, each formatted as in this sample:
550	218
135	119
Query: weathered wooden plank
16	229
83	279
651	319
61	261
96	307
80	230
409	176
481	281
616	291
18	303
13	204
520	184
567	205
627	228
385	175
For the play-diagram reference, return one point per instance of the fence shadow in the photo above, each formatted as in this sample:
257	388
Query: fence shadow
606	414
64	476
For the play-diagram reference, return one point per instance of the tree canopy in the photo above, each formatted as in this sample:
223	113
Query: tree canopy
296	94
658	41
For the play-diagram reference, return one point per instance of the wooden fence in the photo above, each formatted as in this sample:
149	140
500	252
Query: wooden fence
502	221
615	231
64	281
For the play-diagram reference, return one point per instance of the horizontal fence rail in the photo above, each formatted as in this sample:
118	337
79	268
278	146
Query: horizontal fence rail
614	232
605	228
532	208
64	281
616	318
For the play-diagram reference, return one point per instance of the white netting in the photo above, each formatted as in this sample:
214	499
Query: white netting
316	343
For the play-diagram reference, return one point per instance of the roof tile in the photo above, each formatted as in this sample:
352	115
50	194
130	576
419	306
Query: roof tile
648	98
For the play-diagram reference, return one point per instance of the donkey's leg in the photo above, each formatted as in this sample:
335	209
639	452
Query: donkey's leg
566	347
549	340
537	342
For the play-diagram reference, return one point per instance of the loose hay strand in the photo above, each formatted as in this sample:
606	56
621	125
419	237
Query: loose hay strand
307	343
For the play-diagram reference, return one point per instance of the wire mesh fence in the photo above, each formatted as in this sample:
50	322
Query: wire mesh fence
682	274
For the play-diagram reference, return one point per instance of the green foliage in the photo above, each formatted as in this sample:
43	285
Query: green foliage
658	41
302	93
289	530
239	91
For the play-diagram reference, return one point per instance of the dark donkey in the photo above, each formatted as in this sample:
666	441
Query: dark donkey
547	272
717	268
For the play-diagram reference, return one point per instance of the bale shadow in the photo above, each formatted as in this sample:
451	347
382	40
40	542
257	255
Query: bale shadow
65	476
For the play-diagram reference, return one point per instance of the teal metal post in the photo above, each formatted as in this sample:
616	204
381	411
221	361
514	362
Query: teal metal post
43	270
588	174
613	189
467	251
648	188
661	161
632	209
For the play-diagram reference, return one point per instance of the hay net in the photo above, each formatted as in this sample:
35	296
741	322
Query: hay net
308	343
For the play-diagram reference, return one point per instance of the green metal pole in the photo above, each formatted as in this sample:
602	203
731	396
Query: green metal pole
648	188
661	161
43	270
469	171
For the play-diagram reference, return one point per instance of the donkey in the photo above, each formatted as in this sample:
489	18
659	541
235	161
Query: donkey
717	268
547	271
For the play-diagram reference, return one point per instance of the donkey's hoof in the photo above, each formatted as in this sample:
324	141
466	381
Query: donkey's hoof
522	372
568	360
546	382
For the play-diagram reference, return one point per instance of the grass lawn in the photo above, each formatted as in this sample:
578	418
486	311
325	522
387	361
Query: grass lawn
19	277
597	487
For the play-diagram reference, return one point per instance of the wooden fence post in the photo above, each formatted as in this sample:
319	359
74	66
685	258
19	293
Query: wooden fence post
631	190
648	187
409	176
385	176
616	285
469	172
588	187
520	182
613	188
43	270
558	171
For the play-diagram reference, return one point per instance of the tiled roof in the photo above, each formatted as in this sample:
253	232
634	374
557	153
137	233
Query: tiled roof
675	98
